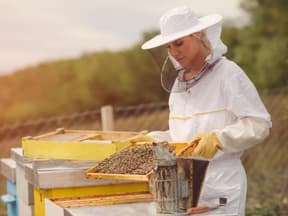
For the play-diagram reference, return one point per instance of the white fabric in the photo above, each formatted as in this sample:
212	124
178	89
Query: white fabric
179	22
218	48
225	178
224	100
245	133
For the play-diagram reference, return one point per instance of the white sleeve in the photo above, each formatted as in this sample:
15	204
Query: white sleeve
242	97
245	133
160	135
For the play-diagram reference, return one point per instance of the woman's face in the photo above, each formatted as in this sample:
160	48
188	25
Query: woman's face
186	50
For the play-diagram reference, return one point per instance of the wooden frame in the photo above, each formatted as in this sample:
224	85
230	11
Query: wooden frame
76	144
101	200
90	173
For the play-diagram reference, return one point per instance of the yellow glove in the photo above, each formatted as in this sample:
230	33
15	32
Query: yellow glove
207	145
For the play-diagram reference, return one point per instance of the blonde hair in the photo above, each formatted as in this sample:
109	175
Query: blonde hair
205	41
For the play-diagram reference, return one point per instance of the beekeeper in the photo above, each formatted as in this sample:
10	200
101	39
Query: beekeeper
212	102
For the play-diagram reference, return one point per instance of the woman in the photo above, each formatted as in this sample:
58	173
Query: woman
212	102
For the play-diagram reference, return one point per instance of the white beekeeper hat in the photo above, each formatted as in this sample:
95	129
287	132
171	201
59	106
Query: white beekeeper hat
181	21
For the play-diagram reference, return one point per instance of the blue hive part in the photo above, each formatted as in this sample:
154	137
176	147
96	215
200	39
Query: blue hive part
10	199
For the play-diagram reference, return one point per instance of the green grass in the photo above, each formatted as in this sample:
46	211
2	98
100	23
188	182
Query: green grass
272	208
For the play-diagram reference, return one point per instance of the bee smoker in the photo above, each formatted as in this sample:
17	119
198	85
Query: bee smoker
177	180
165	183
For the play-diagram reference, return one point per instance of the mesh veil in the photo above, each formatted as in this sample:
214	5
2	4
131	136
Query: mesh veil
169	70
172	73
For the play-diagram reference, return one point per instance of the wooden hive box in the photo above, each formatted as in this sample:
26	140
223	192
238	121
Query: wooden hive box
87	191
76	144
101	200
129	204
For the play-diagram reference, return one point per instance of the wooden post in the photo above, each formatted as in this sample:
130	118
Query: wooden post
107	118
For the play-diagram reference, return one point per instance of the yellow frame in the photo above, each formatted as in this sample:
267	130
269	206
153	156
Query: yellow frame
41	194
76	149
90	173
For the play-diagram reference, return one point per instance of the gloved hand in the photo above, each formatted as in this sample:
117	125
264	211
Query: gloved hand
206	145
141	138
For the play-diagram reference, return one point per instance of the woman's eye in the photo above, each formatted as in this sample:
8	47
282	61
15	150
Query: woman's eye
178	43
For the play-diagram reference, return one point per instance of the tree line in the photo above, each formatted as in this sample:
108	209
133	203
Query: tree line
130	76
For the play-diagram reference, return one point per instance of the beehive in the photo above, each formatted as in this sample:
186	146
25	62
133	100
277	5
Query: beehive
75	144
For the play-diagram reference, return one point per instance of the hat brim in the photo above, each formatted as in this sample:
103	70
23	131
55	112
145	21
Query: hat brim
204	23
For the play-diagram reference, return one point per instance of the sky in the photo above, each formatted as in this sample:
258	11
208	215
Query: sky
35	31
